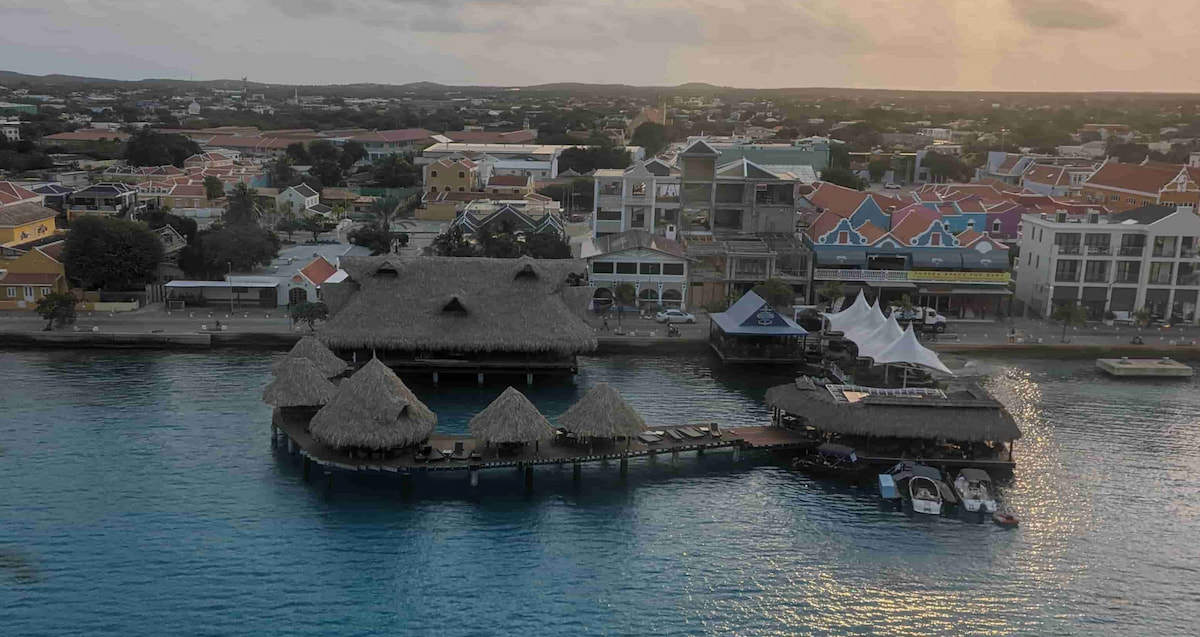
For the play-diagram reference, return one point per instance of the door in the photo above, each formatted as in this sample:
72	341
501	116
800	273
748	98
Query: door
296	296
29	293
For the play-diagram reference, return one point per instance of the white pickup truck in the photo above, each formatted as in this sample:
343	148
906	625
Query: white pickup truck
921	318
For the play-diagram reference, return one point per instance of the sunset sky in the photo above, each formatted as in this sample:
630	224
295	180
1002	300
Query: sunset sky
1040	45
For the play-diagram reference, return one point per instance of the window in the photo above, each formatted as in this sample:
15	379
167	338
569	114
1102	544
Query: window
674	269
12	293
1160	272
639	190
935	239
461	189
433	189
1116	198
495	190
1128	271
1066	270
1028	258
1039	262
45	291
843	237
608	215
1096	272
602	267
29	291
433	173
627	268
1164	247
462	175
996	226
649	268
1130	200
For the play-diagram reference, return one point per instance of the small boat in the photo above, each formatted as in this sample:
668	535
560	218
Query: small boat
1005	519
923	485
831	460
974	488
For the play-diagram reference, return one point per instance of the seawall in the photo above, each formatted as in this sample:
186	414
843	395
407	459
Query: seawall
148	340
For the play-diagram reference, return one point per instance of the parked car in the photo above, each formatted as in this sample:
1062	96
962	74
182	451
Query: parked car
674	316
891	186
921	318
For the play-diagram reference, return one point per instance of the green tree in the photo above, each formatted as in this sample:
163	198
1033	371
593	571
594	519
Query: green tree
296	153
906	304
831	291
1141	316
111	254
222	248
650	136
376	239
776	292
149	148
213	188
1070	314
395	171
584	159
328	171
385	210
314	225
946	167
624	295
842	177
309	313
352	153
452	243
497	245
878	169
281	173
57	308
546	246
322	150
242	207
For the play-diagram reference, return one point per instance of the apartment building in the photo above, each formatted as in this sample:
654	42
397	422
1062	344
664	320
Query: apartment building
407	141
1123	187
1147	257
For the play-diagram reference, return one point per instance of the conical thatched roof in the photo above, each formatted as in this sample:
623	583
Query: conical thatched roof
373	409
328	363
297	383
602	413
511	418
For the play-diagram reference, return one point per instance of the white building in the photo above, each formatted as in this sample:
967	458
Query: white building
300	198
1148	257
656	266
11	130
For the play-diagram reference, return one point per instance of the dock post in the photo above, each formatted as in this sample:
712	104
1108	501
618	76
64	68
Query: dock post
737	453
274	434
624	466
328	480
305	465
528	476
529	379
674	456
474	477
479	378
435	378
289	445
577	472
699	451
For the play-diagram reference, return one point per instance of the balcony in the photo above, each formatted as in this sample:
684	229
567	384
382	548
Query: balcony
1070	249
1132	251
1098	251
914	276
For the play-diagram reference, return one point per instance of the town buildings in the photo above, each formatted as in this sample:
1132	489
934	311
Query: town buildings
23	218
655	265
1146	257
35	274
1127	186
110	199
407	141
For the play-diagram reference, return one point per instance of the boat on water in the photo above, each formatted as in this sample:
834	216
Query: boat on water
974	488
830	460
923	485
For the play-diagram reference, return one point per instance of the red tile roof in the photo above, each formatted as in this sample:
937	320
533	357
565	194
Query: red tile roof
30	278
22	213
492	137
824	222
318	270
871	231
53	250
11	193
393	136
1050	175
509	180
840	200
967	236
1143	179
88	135
913	225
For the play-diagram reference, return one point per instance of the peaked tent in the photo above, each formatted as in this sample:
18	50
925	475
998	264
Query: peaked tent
874	343
866	325
753	316
841	321
907	351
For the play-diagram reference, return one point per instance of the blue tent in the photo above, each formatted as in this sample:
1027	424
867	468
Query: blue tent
752	316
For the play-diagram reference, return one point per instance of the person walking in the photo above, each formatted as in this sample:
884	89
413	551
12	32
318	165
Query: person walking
604	323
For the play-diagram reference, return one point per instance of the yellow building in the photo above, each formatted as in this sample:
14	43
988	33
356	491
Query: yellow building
25	222
452	175
31	276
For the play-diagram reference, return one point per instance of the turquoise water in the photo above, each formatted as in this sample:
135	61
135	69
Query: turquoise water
139	495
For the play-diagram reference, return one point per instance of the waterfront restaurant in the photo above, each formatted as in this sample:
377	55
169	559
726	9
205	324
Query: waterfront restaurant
510	422
373	411
956	427
309	348
751	331
601	415
464	315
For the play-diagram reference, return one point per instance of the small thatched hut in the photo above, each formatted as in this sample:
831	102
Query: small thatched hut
327	363
511	419
298	384
373	410
602	413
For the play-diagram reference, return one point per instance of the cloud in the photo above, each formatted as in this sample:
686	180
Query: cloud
1077	15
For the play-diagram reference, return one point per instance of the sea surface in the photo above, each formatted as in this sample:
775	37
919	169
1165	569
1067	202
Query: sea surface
139	495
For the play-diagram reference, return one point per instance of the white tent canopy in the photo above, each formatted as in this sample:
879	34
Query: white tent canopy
907	351
866	325
874	343
841	321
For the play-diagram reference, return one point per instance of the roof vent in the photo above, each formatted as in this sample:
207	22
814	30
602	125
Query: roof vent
454	306
387	269
527	272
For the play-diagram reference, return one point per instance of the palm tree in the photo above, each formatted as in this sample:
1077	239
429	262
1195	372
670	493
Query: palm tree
1070	314
831	290
1141	316
623	295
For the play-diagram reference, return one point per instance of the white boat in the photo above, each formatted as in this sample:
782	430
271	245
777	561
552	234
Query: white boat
925	495
974	488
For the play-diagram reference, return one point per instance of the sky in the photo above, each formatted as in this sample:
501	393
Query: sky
1007	45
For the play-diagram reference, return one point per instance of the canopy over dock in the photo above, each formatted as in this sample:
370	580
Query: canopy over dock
511	418
373	409
753	331
326	362
965	415
602	413
297	383
880	338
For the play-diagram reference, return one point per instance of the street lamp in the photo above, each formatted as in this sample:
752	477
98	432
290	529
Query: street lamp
231	288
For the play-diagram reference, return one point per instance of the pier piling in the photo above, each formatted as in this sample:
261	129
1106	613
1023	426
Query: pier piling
474	477
577	472
274	435
529	379
305	464
435	378
479	378
737	453
528	476
624	466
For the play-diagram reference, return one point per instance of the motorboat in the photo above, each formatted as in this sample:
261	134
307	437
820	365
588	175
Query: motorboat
974	488
831	460
923	485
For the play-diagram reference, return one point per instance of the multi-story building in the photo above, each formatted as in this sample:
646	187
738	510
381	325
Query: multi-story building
10	130
109	199
656	266
1147	257
1057	181
453	174
1123	187
384	143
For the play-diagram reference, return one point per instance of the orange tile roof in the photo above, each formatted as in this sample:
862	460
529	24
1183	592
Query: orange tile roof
967	236
88	135
911	226
30	278
318	270
840	200
1051	175
53	250
824	222
11	193
871	231
1144	179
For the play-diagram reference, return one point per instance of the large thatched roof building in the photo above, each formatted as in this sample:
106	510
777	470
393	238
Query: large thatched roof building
373	409
968	414
602	413
423	308
297	383
326	362
511	418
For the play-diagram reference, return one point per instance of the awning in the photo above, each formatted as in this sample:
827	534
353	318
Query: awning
925	259
220	284
994	260
982	290
892	285
840	256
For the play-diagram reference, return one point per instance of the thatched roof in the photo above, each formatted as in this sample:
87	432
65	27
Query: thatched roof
297	383
373	409
511	418
327	363
967	415
457	304
602	413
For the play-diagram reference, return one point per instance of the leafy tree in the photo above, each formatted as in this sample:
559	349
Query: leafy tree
163	217
831	291
452	243
309	313
322	150
1070	314
776	292
906	304
946	167
327	171
224	247
296	153
787	133
1126	152
281	173
624	295
314	225
111	254
576	195
547	246
842	177
584	159
149	148
371	236
213	188
352	152
385	210
497	245
242	207
878	169
650	136
1141	316
395	171
57	308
